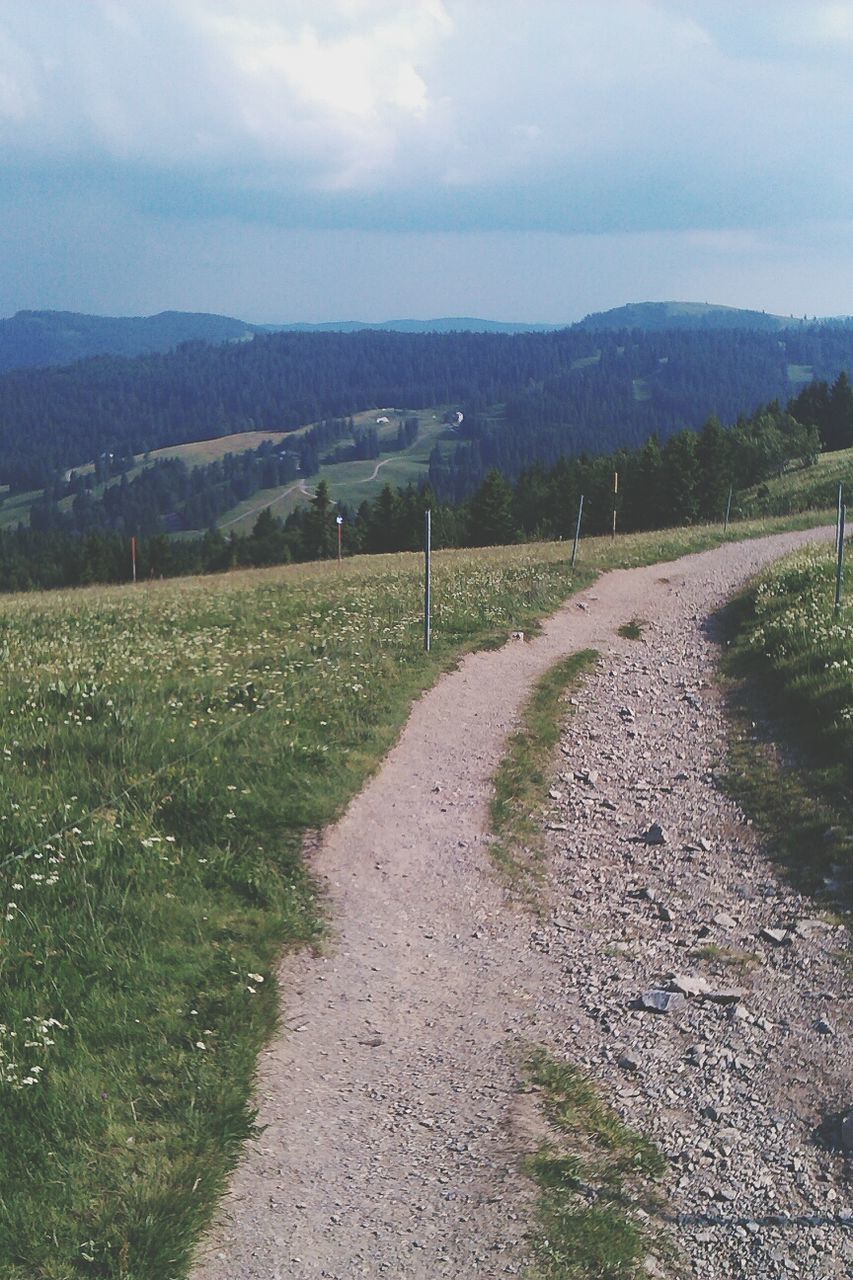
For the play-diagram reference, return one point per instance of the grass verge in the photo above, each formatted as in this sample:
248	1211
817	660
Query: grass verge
593	1178
522	775
633	629
789	666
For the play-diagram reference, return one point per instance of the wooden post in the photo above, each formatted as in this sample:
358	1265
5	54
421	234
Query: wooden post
427	584
728	511
839	573
577	532
615	492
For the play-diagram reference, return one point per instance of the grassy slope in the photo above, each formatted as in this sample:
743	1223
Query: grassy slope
165	748
790	661
352	482
809	489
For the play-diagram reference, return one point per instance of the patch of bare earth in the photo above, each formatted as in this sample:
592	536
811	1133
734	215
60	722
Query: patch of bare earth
393	1107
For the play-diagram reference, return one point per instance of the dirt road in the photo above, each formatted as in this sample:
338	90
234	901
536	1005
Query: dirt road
394	1118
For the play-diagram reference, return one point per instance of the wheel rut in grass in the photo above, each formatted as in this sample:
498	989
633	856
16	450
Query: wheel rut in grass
392	1107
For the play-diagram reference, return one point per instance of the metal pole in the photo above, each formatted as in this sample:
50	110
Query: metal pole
577	532
838	515
728	511
427	585
839	573
133	556
615	492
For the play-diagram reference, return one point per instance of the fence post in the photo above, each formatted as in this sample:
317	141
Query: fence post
427	584
839	572
577	532
728	511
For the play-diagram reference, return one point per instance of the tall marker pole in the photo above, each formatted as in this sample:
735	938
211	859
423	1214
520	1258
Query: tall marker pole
838	516
577	532
839	573
427	584
340	523
728	511
615	492
133	556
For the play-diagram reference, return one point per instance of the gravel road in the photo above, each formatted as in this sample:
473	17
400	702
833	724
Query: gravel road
394	1111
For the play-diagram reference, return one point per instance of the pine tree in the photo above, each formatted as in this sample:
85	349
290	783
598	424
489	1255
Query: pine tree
490	513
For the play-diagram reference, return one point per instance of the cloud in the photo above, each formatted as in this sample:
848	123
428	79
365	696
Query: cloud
560	115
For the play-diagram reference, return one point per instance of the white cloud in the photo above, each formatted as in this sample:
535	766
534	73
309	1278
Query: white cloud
652	112
223	82
833	22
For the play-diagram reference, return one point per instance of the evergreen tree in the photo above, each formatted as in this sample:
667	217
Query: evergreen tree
680	480
319	529
490	513
838	433
714	455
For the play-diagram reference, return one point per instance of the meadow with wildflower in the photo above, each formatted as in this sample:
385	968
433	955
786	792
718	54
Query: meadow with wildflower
164	750
797	650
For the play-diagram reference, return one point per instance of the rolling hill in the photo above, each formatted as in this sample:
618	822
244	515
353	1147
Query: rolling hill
38	339
658	316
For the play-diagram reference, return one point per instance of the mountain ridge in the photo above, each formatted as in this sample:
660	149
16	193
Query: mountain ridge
44	338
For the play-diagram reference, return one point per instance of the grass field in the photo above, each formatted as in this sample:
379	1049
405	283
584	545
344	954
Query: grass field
352	482
796	654
15	510
164	750
807	489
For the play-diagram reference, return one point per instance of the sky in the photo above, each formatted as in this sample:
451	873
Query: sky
528	160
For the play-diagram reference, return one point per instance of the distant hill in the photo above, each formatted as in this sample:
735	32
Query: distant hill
444	324
654	316
37	339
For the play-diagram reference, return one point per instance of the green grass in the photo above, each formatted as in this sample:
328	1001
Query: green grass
593	1177
633	629
354	482
241	519
790	661
807	489
521	779
163	750
15	510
